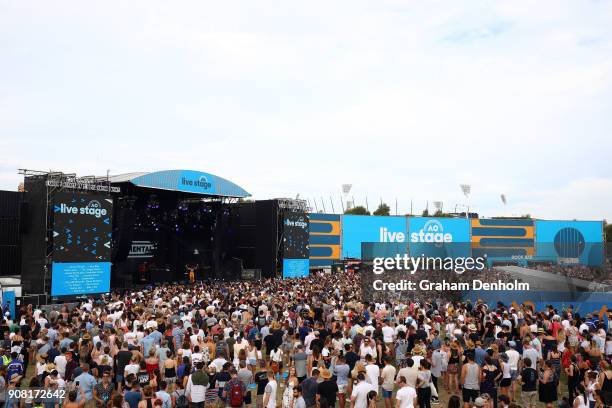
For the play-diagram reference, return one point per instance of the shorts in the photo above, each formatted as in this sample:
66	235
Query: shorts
453	368
342	388
529	398
387	394
505	382
469	395
252	361
513	374
247	398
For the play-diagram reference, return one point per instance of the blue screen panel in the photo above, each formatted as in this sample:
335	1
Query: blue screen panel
78	278
357	229
295	268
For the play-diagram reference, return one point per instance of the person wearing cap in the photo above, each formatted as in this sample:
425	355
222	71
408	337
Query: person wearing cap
479	402
327	390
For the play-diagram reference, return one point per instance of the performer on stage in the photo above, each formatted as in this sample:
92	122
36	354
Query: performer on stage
191	268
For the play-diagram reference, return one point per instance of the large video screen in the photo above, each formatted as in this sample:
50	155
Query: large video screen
82	233
295	245
439	237
570	242
358	229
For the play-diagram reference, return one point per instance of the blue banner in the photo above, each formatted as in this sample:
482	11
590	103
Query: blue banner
439	237
361	228
570	242
80	278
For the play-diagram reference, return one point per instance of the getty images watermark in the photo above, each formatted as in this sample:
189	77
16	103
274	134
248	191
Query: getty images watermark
396	268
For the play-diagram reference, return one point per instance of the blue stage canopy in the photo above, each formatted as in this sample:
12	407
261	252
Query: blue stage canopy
189	181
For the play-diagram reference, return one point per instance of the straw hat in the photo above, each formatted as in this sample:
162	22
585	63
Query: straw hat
418	350
325	374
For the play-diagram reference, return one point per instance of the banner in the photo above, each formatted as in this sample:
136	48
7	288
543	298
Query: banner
570	242
324	239
82	235
439	237
357	229
505	240
295	245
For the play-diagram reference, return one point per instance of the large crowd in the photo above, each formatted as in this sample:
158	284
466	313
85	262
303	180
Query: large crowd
301	343
601	274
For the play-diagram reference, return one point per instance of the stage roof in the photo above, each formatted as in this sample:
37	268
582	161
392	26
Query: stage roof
189	181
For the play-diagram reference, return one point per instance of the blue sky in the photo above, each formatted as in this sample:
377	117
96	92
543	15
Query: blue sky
405	100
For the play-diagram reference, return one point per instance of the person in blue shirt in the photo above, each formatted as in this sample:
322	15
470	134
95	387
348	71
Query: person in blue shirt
133	395
15	366
146	343
87	382
479	354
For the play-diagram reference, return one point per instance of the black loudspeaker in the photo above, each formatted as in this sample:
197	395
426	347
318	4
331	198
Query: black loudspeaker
24	219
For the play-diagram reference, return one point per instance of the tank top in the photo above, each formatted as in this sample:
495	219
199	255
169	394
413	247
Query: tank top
170	372
582	403
607	384
472	382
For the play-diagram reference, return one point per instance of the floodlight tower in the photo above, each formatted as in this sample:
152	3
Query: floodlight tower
346	189
466	189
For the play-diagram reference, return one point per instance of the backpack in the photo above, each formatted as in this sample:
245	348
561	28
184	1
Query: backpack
236	396
181	400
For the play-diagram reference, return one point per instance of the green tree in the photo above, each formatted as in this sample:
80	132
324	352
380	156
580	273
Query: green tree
425	213
383	209
608	232
441	214
359	210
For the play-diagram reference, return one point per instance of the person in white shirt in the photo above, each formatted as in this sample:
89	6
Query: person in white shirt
195	390
410	373
269	400
219	362
513	360
359	396
388	333
388	381
367	347
60	363
372	372
406	395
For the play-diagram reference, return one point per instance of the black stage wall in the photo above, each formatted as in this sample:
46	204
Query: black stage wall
255	235
10	245
34	236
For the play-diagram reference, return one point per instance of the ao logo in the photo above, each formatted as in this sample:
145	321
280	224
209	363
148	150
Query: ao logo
94	204
432	232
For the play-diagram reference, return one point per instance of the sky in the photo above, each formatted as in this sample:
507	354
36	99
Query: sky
405	100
